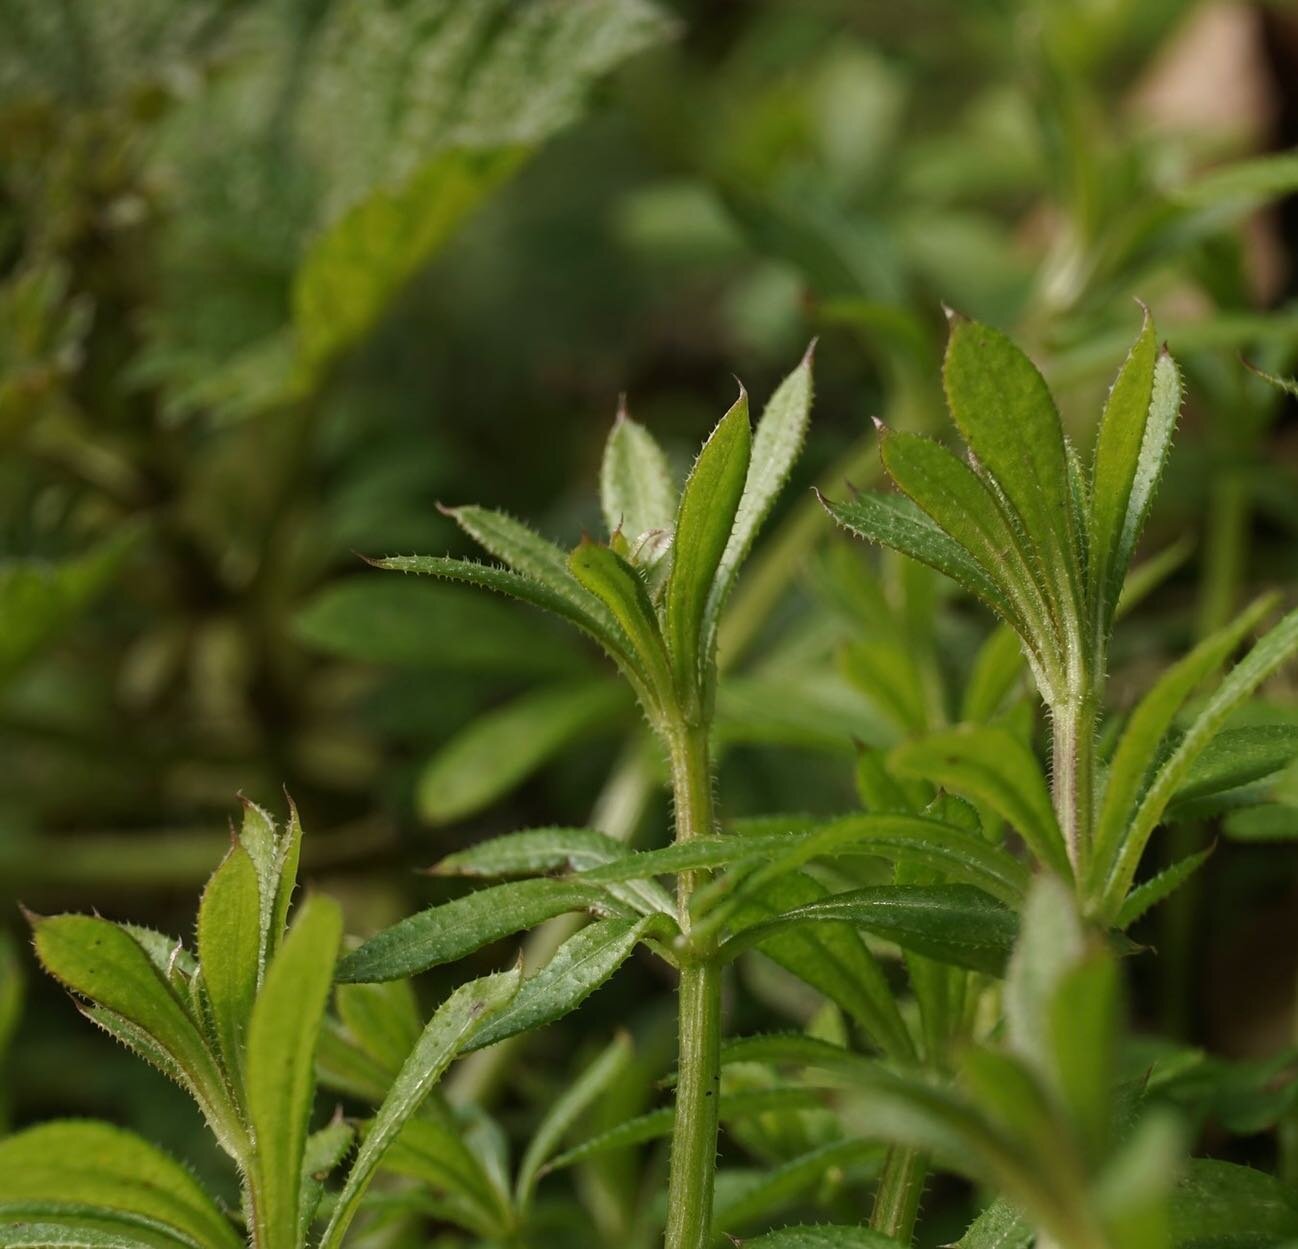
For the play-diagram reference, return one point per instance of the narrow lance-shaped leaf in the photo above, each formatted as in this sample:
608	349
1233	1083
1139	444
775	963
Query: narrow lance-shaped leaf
450	1028
821	1236
1151	719
565	1111
280	1075
595	625
1164	411
1273	650
618	586
82	1170
1002	406
992	766
1117	458
966	508
895	521
229	927
579	966
1156	888
448	932
704	523
1237	756
635	485
956	924
775	447
98	960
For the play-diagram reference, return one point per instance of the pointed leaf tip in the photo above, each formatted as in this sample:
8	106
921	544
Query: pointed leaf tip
809	356
952	316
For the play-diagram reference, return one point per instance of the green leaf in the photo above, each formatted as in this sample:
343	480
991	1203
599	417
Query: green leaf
450	1029
887	675
1243	183
100	961
704	522
566	1109
955	924
1052	943
990	765
325	1149
584	610
1004	410
966	509
79	1169
578	967
1217	1205
775	447
38	599
543	851
412	624
32	1235
635	484
383	1020
229	952
996	672
1237	756
999	1226
354	268
895	521
444	933
279	1067
1273	650
1082	1022
1139	745
503	747
1117	458
829	957
1154	890
821	1236
620	588
781	1186
1164	411
11	997
1287	385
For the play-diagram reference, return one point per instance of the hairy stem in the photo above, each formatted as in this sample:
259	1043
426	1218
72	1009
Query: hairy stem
901	1185
694	1137
1073	774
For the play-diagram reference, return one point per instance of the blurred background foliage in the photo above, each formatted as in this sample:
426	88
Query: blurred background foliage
278	277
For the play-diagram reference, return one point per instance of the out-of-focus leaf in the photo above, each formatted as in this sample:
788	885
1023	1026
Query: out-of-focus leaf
448	932
1217	1205
886	674
704	522
1243	183
39	599
503	747
996	671
11	994
1082	1020
955	924
280	1064
325	1149
1274	822
579	966
94	1174
383	1019
412	624
635	484
990	765
566	1109
451	1027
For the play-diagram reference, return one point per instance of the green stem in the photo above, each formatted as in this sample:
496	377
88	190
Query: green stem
694	1136
896	1202
1073	774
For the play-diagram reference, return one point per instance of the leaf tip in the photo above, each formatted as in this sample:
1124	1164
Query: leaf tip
809	356
953	318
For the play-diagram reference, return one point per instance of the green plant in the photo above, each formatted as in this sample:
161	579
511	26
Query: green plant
236	1023
1047	545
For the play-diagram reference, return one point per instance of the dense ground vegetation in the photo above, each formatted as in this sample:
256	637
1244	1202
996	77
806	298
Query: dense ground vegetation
855	833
